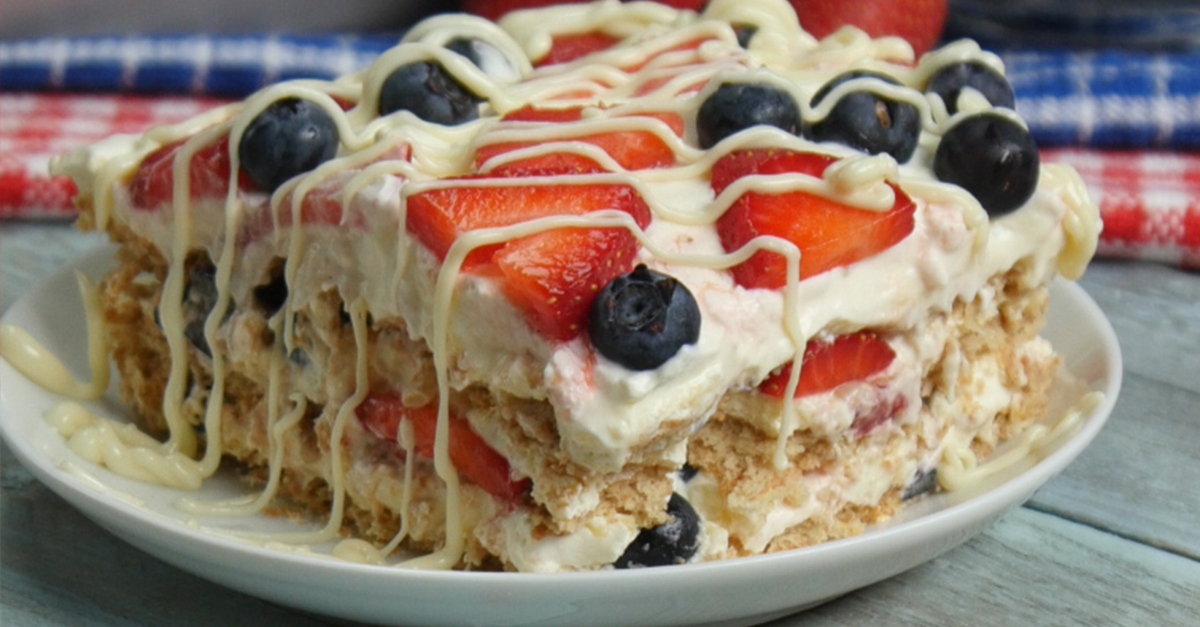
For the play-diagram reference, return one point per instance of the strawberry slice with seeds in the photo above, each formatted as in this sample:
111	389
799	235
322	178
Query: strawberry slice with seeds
830	363
829	234
153	184
634	150
438	217
565	48
478	462
553	275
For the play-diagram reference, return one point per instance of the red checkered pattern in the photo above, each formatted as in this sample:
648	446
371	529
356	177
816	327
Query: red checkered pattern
36	127
1150	201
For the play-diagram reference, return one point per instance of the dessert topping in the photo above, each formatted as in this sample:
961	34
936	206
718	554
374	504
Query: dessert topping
642	318
735	107
866	120
289	137
427	90
992	157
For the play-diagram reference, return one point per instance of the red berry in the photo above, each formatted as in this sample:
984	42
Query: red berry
153	185
553	275
830	363
478	462
828	234
633	150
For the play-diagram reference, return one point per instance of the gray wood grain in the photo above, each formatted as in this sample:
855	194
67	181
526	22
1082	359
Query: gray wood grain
1029	569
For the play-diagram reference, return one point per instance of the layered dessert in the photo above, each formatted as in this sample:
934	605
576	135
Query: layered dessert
603	285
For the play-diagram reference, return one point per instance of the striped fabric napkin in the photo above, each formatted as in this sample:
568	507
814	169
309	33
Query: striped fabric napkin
1132	118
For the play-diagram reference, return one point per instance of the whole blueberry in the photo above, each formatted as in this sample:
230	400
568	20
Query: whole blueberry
993	158
484	56
949	81
642	318
289	137
672	542
867	122
430	93
735	107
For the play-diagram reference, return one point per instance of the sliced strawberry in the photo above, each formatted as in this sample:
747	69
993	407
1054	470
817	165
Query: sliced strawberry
567	48
550	164
478	463
321	205
830	363
554	276
828	233
634	150
153	185
439	216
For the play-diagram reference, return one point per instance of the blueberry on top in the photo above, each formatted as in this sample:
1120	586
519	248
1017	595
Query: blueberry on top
738	106
949	81
642	318
993	158
868	122
673	542
431	93
289	137
485	56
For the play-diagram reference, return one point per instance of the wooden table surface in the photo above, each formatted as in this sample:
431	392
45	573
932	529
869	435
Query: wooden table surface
1114	540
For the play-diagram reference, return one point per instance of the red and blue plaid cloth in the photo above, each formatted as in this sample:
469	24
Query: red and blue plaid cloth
1128	121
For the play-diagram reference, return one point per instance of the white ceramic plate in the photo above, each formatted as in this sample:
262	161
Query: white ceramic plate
735	592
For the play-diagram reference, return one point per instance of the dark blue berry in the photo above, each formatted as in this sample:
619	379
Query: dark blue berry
949	82
993	158
868	122
687	472
673	542
642	318
925	481
735	107
199	298
290	137
484	56
430	93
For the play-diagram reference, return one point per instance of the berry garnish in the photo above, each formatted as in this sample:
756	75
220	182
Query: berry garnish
993	158
642	318
199	298
949	81
830	363
153	185
552	276
566	48
735	107
828	233
867	122
430	93
478	462
632	149
289	137
484	56
673	542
